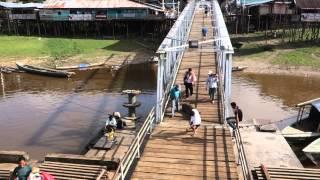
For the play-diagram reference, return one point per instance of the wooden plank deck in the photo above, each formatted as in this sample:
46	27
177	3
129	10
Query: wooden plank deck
171	152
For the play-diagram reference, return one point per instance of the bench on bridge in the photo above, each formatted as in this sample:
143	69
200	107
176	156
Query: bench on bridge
74	171
4	174
70	166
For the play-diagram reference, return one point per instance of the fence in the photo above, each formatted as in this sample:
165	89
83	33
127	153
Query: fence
224	68
135	147
169	61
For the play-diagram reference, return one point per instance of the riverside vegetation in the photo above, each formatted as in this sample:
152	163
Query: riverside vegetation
264	52
59	51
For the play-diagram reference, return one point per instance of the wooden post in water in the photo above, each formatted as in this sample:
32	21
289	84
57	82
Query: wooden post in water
3	85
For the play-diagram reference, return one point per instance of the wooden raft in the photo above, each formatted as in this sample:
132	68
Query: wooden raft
171	152
269	173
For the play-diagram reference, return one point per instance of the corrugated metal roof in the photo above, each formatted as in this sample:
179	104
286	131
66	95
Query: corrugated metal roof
69	4
253	2
308	4
20	5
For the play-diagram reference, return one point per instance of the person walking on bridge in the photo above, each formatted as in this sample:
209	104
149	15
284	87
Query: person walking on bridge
195	121
189	80
204	33
175	95
206	9
212	85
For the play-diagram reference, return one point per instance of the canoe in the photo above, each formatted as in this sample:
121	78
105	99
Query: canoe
80	66
306	126
312	151
239	68
43	71
293	134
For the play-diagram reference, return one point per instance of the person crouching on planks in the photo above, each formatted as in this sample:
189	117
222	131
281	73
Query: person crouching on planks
195	121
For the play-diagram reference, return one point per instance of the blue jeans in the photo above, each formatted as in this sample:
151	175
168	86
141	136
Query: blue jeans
212	92
175	105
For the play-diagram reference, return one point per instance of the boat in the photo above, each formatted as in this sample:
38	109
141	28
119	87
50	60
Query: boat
306	125
312	151
239	68
43	71
81	66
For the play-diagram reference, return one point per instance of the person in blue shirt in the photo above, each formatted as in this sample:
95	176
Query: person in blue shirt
175	95
22	171
204	32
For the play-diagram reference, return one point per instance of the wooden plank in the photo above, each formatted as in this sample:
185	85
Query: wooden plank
187	161
202	174
189	167
292	174
104	143
71	174
95	171
71	164
227	158
314	171
183	147
220	152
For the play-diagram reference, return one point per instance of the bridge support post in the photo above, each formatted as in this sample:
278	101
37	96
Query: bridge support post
160	86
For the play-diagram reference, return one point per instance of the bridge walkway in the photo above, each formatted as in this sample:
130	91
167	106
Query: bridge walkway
171	152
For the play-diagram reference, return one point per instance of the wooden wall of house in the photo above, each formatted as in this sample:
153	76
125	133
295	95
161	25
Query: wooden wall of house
95	29
83	22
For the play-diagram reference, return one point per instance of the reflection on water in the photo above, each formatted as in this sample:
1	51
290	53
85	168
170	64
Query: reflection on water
42	115
272	96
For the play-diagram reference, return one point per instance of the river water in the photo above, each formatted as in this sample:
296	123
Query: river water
273	97
270	96
43	115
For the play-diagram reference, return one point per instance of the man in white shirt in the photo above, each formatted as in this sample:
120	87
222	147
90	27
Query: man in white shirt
195	121
212	85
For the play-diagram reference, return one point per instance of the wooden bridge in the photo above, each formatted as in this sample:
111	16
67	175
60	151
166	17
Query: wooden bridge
171	152
162	148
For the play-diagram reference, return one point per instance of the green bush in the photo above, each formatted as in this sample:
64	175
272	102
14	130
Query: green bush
59	49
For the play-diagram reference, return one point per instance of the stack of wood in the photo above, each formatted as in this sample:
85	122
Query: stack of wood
4	174
74	171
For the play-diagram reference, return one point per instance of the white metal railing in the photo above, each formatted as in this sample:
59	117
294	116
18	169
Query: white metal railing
169	61
242	158
224	62
134	150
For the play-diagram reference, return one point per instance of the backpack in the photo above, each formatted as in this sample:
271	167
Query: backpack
185	78
240	115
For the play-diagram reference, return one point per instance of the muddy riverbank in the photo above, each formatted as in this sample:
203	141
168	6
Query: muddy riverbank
266	67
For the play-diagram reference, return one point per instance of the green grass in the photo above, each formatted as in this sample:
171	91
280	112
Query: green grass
309	56
277	52
57	48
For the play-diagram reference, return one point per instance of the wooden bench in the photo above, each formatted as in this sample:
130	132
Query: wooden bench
4	174
74	171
